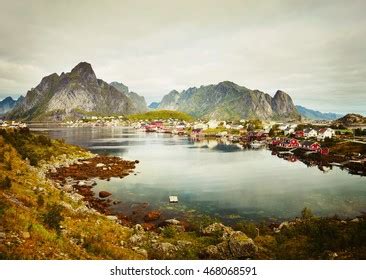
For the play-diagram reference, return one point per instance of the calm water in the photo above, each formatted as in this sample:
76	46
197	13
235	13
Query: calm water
218	179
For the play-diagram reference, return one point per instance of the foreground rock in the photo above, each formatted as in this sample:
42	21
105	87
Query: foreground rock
234	245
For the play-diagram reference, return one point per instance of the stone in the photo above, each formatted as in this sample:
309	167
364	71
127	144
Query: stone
26	234
140	251
138	228
172	222
112	218
236	246
104	194
241	246
217	229
165	249
152	216
100	165
136	238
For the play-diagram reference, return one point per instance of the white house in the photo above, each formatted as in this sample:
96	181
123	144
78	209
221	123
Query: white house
200	126
325	133
213	124
309	133
288	131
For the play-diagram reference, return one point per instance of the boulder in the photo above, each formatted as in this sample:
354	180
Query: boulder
241	246
236	246
217	229
140	251
104	194
165	249
172	222
26	234
152	216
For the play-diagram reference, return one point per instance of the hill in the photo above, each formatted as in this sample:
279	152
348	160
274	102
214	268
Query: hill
73	95
351	120
227	100
161	115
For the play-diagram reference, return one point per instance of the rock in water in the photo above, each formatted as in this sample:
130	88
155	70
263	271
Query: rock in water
152	216
104	194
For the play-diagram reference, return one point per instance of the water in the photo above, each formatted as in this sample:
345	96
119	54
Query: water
218	179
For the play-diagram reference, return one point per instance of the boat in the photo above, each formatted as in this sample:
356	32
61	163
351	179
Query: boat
173	199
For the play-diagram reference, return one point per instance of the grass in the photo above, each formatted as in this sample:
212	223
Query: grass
161	115
36	223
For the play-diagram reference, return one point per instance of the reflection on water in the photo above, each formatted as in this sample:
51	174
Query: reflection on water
218	178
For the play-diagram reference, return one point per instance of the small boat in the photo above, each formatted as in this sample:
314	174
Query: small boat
173	199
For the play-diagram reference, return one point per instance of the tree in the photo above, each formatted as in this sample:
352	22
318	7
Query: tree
306	213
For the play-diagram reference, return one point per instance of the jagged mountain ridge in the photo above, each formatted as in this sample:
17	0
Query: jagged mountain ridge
316	115
73	95
227	100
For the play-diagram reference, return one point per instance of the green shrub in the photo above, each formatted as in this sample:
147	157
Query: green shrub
40	200
5	183
169	232
54	217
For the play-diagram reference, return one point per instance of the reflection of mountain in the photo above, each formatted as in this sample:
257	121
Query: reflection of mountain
217	145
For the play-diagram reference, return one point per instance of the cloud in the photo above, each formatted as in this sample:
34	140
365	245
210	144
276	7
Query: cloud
314	50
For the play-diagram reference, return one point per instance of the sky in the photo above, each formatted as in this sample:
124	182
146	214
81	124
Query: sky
313	50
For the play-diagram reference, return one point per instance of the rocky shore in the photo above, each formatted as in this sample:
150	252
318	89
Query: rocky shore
78	178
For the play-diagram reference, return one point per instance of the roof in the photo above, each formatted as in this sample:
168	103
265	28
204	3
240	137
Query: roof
308	143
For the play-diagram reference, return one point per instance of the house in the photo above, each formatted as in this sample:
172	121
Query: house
200	126
310	132
282	126
299	134
310	145
290	143
288	131
213	124
325	133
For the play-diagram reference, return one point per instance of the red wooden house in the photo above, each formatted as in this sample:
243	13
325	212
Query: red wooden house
310	145
299	134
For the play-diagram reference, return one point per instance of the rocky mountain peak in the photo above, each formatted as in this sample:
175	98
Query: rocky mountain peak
85	72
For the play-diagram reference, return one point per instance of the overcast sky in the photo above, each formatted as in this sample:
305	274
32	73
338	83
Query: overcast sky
314	50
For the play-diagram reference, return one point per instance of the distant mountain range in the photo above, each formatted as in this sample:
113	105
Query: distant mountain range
316	115
227	100
154	105
8	104
79	93
76	94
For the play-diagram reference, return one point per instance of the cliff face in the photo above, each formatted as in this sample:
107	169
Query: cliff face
138	100
228	100
72	95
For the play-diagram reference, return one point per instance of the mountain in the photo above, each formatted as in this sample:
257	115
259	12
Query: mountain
72	95
227	100
351	120
154	105
138	100
8	104
316	115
